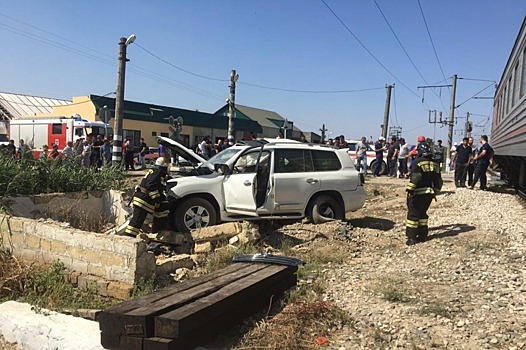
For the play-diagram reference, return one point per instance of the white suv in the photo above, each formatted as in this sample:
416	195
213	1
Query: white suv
264	179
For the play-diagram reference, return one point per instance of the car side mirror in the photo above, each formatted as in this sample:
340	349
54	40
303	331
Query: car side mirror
222	168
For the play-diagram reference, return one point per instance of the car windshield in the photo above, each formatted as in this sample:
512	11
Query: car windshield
224	156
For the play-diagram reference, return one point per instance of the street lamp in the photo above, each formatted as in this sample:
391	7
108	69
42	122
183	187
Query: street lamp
119	100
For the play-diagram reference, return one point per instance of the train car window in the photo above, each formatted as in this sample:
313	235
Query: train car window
523	75
515	93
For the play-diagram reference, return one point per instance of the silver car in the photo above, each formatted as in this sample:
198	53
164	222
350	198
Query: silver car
264	179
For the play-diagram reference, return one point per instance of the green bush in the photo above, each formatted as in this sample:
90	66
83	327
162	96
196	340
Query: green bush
30	177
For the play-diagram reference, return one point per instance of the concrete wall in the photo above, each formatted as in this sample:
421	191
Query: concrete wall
89	210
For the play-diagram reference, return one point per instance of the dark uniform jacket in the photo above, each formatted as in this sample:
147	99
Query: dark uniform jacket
151	189
425	178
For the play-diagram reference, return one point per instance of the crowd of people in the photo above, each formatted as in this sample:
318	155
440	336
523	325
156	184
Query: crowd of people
471	162
94	151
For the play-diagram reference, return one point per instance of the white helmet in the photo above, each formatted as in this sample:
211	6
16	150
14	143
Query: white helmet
161	162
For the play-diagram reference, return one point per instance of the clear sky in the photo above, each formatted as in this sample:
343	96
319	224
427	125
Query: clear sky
313	48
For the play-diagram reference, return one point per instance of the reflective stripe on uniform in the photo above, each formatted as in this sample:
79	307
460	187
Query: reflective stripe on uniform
132	230
410	186
428	166
411	223
154	194
143	204
422	222
161	214
424	190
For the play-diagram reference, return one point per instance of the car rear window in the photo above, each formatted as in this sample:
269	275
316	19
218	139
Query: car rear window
325	161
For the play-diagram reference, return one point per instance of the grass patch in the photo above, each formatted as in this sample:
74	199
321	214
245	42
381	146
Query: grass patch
144	287
30	177
297	327
221	258
48	288
436	309
44	287
395	295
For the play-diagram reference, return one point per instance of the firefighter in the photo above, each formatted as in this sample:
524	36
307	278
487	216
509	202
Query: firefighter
424	184
150	198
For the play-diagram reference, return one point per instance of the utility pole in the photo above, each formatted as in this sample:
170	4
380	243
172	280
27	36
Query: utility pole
386	111
232	106
323	131
451	117
116	157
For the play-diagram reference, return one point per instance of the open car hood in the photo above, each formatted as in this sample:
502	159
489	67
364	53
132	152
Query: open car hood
183	152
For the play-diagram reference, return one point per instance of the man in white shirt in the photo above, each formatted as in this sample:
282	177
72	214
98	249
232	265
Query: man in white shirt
361	155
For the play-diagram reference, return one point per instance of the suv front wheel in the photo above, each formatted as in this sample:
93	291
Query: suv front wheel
193	213
325	208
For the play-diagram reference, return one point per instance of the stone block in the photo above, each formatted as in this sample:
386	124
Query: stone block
102	287
121	274
91	256
4	225
171	264
97	270
26	254
16	225
32	242
145	266
87	282
73	277
45	244
202	248
75	253
171	237
17	239
58	247
79	266
119	290
216	232
112	259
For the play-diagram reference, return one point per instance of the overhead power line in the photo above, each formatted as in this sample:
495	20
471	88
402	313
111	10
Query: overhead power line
366	49
407	54
431	39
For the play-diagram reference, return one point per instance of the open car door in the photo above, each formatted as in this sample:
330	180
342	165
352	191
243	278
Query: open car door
241	187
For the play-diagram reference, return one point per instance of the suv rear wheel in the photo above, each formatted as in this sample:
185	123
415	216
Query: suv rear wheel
325	208
193	213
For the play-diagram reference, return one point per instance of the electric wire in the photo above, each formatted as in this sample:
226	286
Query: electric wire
57	36
366	49
251	84
432	43
400	43
309	91
418	127
487	87
407	54
179	68
485	80
135	69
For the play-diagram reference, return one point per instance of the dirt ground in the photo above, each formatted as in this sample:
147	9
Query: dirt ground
464	288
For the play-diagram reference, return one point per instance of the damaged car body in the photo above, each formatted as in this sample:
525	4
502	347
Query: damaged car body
263	179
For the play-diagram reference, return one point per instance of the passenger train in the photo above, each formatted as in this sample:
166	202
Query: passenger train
508	131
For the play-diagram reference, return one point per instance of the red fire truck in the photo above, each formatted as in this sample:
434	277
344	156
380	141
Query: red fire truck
37	132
